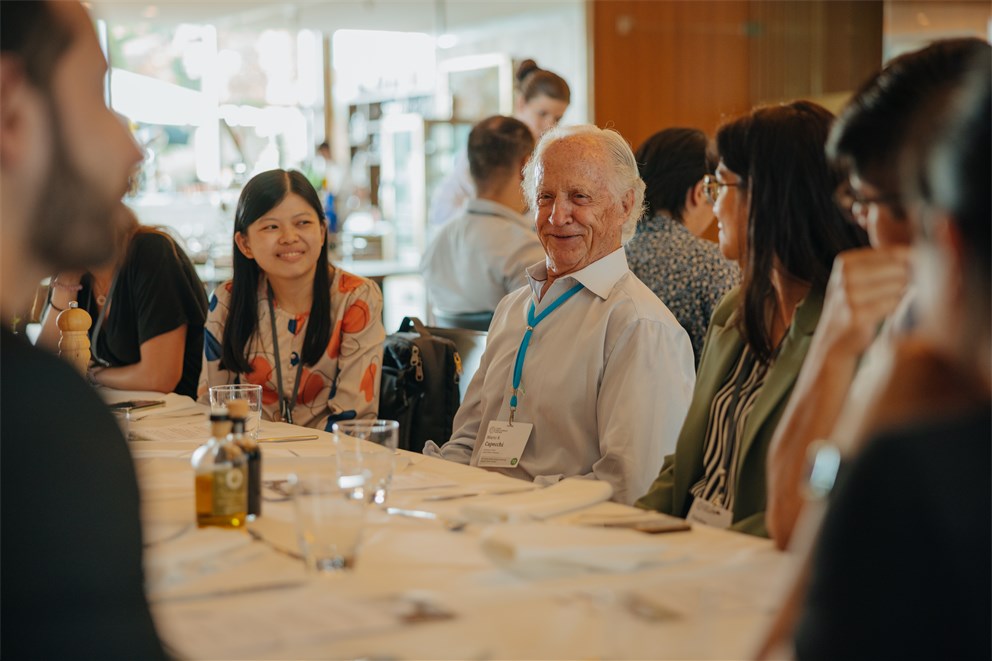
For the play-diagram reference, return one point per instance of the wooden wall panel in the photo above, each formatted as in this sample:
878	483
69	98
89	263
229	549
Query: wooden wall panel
812	49
662	63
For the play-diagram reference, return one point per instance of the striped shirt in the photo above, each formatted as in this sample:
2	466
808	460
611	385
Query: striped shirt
727	418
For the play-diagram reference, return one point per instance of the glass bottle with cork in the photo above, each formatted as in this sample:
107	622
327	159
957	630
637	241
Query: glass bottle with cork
238	411
221	470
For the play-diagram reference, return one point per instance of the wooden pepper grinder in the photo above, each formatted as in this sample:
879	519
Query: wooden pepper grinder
74	344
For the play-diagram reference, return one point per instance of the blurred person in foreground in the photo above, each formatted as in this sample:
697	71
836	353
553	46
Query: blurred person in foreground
868	304
685	271
772	194
591	369
72	582
482	255
148	307
901	568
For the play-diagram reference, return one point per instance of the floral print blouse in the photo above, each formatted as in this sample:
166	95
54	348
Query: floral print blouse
689	274
343	385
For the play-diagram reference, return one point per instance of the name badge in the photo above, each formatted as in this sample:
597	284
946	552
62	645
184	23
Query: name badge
504	444
709	514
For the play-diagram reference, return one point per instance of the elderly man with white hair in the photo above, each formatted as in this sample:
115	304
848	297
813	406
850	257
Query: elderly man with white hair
586	373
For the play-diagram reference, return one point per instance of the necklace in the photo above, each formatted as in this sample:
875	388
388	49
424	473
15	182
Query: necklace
100	293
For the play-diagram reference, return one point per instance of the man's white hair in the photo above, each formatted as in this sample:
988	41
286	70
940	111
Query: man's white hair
620	178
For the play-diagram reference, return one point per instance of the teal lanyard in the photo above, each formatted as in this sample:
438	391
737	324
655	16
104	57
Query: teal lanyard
532	322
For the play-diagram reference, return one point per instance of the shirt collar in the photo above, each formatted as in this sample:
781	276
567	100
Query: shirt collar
488	207
598	277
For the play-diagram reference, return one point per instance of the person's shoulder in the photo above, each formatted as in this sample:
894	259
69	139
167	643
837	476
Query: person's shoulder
18	353
959	439
504	312
727	305
29	371
220	297
352	286
635	302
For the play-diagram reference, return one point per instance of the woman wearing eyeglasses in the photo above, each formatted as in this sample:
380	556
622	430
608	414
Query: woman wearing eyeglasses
148	308
773	199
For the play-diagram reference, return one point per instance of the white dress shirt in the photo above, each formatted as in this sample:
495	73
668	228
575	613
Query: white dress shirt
606	383
479	257
453	193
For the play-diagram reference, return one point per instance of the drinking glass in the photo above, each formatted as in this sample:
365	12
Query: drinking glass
371	461
221	395
328	522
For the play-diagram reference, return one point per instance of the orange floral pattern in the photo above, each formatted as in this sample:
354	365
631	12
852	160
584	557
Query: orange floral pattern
357	317
342	384
369	383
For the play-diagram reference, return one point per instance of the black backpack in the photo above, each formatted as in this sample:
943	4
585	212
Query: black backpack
419	389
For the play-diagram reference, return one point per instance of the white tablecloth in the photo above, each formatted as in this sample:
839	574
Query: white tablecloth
420	590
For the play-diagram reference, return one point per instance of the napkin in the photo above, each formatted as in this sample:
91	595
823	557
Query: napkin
550	549
570	494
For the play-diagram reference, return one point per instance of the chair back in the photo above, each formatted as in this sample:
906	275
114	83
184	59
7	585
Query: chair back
470	345
478	321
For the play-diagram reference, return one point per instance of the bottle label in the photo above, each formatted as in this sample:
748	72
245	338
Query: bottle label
230	494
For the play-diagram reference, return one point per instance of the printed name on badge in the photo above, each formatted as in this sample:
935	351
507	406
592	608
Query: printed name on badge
504	444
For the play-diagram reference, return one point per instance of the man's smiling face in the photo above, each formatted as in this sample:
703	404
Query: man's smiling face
579	220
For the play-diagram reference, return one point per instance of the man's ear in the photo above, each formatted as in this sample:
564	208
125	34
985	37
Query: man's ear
241	239
627	203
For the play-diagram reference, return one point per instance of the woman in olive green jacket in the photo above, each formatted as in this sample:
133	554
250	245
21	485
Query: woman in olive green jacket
773	197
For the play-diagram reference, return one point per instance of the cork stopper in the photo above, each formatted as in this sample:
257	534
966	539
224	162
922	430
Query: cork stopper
74	318
220	422
237	408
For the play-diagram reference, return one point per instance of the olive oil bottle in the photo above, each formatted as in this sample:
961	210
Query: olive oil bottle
221	477
238	410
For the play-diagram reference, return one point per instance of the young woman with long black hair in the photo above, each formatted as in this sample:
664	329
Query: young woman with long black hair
308	332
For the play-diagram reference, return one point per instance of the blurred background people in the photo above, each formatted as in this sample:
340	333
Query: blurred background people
481	255
306	331
773	196
71	543
868	288
148	307
541	100
686	272
901	568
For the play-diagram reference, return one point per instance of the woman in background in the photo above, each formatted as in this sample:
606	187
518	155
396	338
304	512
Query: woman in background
309	333
542	98
685	271
773	198
148	309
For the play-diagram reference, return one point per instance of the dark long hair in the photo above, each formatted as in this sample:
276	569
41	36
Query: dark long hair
671	162
260	195
869	131
793	223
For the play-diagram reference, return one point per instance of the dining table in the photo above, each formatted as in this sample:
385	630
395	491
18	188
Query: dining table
459	563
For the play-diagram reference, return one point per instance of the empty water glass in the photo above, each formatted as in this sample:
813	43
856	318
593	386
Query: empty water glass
328	522
365	453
